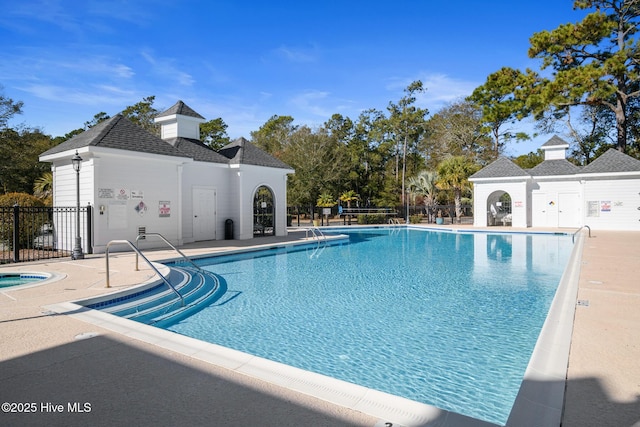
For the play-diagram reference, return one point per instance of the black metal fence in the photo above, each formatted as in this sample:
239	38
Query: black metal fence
439	214
31	234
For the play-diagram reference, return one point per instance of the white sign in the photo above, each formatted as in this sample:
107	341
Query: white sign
105	193
123	194
137	194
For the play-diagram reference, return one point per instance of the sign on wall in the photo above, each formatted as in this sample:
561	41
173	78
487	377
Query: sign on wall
122	194
105	193
164	209
593	208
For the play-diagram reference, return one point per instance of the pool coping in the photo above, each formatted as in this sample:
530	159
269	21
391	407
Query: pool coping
541	393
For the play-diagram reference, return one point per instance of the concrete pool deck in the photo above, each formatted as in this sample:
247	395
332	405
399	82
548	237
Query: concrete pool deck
52	360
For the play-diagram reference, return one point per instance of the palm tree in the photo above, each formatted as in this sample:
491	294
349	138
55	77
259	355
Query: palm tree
43	188
454	173
424	184
348	197
326	200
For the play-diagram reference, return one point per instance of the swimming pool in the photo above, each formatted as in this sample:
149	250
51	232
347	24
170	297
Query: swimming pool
447	319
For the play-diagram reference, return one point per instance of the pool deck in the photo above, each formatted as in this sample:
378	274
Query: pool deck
47	360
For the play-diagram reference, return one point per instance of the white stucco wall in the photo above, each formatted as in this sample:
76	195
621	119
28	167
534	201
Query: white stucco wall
612	204
205	176
517	189
126	190
556	202
129	191
248	178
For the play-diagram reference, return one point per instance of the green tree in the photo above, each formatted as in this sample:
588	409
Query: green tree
319	162
19	164
458	130
502	99
408	124
97	119
8	109
594	62
368	152
274	135
531	160
453	174
214	133
142	114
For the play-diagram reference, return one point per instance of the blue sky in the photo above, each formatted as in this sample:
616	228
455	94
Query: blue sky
246	61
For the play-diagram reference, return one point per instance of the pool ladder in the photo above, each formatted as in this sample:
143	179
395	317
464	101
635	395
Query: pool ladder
316	233
573	237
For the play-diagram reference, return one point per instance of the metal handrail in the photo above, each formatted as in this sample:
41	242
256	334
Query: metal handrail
153	267
573	237
313	232
186	258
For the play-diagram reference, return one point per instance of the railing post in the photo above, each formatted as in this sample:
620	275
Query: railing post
89	239
16	233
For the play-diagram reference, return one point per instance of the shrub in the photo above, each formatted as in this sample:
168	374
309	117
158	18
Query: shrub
372	219
415	219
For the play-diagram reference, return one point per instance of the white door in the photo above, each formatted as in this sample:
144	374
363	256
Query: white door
540	210
568	210
204	214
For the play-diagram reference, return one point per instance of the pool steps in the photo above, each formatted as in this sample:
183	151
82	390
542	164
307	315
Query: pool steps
160	305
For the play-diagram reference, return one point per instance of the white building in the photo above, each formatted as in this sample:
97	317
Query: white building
603	195
174	185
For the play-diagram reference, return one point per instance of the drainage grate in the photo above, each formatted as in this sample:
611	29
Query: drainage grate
583	302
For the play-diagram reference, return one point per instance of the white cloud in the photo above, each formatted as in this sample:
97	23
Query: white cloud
441	89
164	67
296	54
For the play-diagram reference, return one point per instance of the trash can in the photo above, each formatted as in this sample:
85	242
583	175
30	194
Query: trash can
228	229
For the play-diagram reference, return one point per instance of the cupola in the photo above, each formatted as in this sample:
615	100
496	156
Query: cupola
179	121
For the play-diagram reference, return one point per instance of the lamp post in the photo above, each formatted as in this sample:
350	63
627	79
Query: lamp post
77	249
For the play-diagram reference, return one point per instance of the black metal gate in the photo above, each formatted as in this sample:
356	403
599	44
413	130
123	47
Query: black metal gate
31	234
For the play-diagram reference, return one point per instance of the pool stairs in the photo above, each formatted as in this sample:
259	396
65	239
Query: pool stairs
185	289
161	306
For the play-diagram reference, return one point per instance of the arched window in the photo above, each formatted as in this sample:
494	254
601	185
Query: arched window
263	212
499	209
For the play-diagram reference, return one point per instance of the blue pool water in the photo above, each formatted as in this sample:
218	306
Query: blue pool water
446	319
16	279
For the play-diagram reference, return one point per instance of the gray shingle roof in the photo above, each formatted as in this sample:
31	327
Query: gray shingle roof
243	152
197	150
182	109
612	161
555	140
120	133
500	168
555	167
